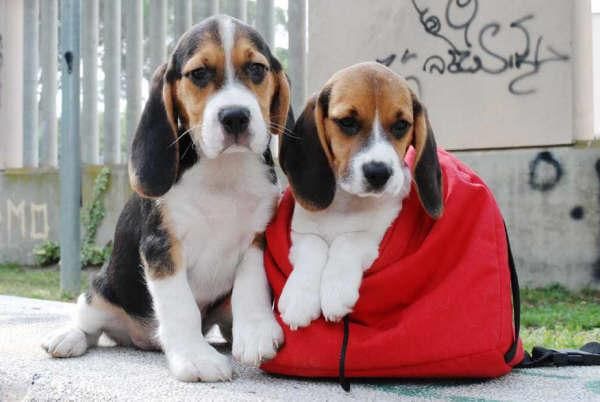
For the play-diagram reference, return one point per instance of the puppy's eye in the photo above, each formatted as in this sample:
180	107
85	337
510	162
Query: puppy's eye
349	125
201	76
256	72
400	128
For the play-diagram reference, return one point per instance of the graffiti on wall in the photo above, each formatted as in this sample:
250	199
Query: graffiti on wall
475	52
23	220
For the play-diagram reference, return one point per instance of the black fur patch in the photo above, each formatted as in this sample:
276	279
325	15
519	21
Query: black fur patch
122	281
304	162
189	43
428	175
260	45
324	101
268	159
154	152
156	245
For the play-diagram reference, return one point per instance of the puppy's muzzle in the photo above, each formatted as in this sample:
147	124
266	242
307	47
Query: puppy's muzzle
376	174
235	121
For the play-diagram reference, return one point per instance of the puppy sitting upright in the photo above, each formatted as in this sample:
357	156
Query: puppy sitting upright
193	233
346	169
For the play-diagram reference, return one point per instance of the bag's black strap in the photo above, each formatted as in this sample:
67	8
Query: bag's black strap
342	373
588	355
516	301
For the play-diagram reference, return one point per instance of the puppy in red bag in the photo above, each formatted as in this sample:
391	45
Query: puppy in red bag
387	257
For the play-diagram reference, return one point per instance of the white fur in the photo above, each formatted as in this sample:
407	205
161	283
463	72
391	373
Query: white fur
74	340
300	303
227	34
190	357
379	149
332	248
211	135
216	209
256	333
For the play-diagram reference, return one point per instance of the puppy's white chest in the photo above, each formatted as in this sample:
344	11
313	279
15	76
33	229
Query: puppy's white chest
216	209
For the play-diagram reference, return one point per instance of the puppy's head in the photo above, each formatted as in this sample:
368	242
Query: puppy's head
221	91
355	132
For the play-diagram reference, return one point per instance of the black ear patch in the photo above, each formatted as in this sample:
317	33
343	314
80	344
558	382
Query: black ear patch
427	172
324	97
154	150
303	160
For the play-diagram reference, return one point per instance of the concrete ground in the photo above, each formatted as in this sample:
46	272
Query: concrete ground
113	373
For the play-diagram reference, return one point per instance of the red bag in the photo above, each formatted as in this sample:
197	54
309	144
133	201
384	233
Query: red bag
437	302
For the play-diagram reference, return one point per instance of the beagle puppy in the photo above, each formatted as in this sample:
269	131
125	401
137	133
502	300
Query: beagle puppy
205	189
345	165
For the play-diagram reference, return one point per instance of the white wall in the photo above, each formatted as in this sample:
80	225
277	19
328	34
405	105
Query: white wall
468	110
596	44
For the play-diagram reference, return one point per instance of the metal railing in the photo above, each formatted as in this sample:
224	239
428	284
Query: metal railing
121	43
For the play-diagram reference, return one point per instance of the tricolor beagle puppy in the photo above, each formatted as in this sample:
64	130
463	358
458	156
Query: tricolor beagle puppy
193	232
345	164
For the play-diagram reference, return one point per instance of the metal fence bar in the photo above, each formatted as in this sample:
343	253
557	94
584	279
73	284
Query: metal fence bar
183	17
157	33
30	82
89	52
202	9
265	19
133	64
49	63
70	162
112	71
240	10
297	51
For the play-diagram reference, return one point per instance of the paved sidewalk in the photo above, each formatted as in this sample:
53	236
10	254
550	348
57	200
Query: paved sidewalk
112	373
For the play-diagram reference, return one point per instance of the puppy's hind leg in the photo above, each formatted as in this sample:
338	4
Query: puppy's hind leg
75	339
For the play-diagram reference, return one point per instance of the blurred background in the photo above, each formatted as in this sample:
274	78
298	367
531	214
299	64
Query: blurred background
512	87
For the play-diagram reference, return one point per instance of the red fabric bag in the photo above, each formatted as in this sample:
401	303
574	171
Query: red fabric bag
436	303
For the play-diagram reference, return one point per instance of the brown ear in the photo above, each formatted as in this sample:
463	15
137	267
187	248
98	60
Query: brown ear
304	160
427	173
154	156
280	104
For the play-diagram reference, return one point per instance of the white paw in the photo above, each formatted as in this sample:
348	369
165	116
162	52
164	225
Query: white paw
66	342
200	362
255	340
338	296
299	305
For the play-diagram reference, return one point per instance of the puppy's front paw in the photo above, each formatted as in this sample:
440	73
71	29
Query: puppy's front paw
338	296
299	305
256	339
200	362
66	342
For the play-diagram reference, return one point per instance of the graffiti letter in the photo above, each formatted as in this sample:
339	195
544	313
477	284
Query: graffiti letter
17	212
40	210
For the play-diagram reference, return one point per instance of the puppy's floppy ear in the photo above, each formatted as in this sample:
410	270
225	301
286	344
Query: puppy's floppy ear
304	160
280	104
154	153
427	173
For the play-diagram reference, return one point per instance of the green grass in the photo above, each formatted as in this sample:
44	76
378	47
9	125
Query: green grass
554	317
37	283
550	316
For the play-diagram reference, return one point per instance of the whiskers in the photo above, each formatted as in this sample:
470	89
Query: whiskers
284	130
183	134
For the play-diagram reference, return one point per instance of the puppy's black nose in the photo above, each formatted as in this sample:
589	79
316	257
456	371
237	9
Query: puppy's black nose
234	119
376	174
